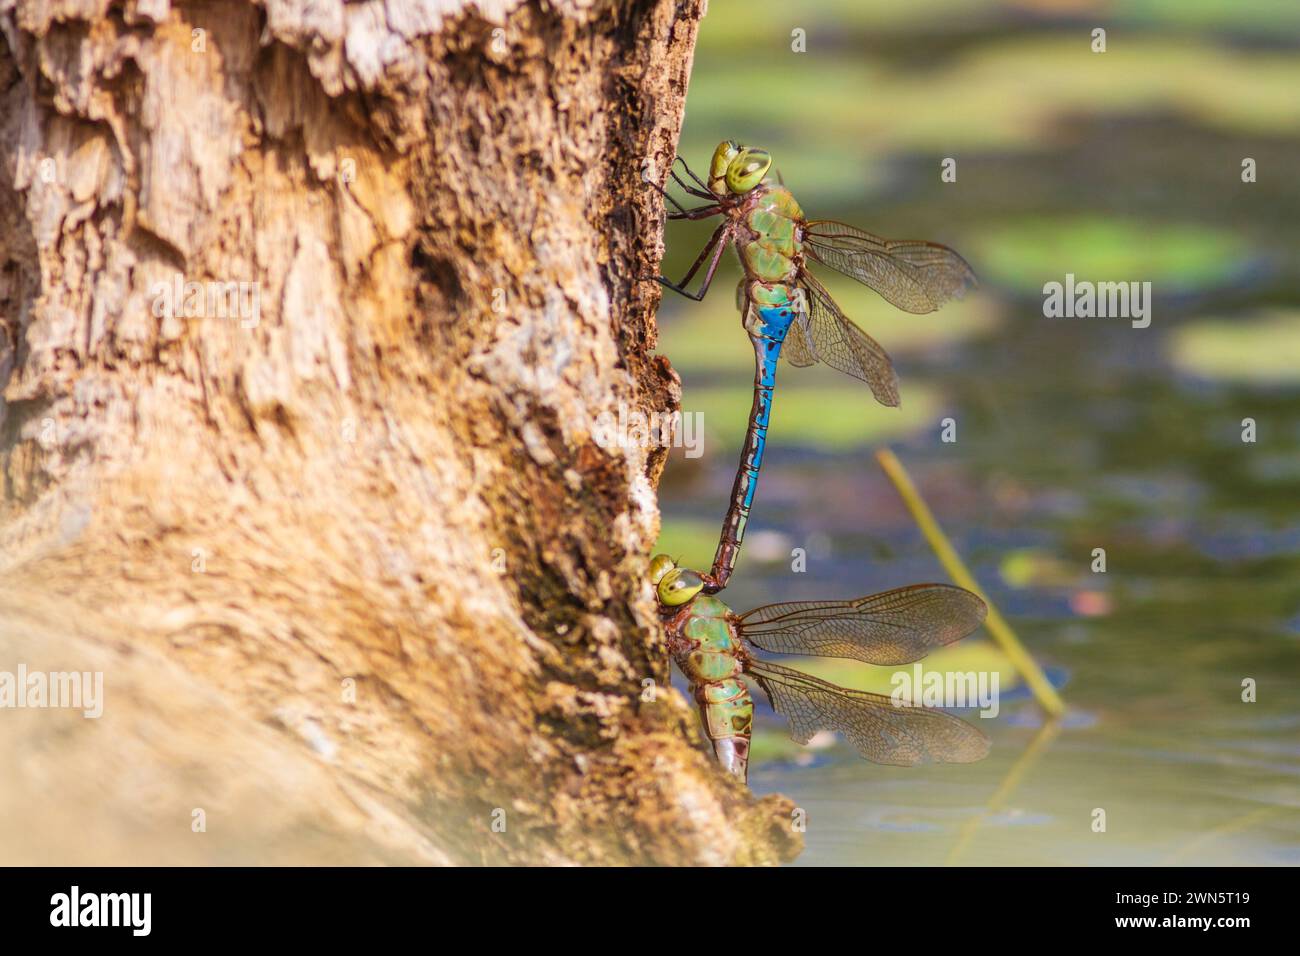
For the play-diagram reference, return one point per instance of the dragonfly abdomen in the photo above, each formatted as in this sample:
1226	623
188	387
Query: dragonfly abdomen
727	712
767	325
710	655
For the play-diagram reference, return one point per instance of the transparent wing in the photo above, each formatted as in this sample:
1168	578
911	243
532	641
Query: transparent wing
843	346
893	627
798	348
914	275
881	732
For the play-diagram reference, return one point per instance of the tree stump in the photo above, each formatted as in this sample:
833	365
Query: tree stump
307	315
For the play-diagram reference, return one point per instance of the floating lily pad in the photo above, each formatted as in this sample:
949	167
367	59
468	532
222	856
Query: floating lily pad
1262	349
1037	567
1029	253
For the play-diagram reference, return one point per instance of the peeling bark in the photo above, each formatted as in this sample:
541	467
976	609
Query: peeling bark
377	478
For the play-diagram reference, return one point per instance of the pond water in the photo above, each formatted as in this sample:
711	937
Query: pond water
1072	434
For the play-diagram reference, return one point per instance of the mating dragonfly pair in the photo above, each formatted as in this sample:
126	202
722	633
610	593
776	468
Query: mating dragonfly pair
786	311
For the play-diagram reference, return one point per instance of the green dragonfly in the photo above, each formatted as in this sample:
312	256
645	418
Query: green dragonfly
710	643
782	303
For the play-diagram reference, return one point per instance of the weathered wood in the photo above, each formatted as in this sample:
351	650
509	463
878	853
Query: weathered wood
377	478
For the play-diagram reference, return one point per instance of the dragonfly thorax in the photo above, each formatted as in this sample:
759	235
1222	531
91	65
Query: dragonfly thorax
711	650
708	606
770	245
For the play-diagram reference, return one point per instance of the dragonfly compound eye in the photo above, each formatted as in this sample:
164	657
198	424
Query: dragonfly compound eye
660	565
678	586
727	150
748	169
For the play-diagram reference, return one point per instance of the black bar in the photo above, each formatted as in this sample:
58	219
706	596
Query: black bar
945	908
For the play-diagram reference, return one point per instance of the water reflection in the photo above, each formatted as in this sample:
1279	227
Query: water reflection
1073	435
994	812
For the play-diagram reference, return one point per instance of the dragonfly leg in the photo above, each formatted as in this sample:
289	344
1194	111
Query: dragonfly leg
690	172
721	236
699	212
663	192
689	189
695	267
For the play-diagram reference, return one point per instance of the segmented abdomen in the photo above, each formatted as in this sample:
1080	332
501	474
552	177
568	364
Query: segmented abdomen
768	313
727	712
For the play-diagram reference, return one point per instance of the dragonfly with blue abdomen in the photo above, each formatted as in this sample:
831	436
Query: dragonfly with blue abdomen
783	307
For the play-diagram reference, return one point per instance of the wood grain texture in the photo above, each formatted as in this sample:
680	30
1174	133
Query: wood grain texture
377	477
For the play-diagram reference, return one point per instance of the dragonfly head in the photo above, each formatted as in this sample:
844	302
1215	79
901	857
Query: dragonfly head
660	565
674	586
737	169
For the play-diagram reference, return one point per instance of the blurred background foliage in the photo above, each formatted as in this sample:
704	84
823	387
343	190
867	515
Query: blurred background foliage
1072	434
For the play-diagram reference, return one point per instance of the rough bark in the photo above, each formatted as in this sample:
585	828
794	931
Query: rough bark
359	579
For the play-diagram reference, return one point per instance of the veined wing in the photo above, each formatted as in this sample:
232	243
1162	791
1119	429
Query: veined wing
914	275
881	732
797	349
843	346
894	627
